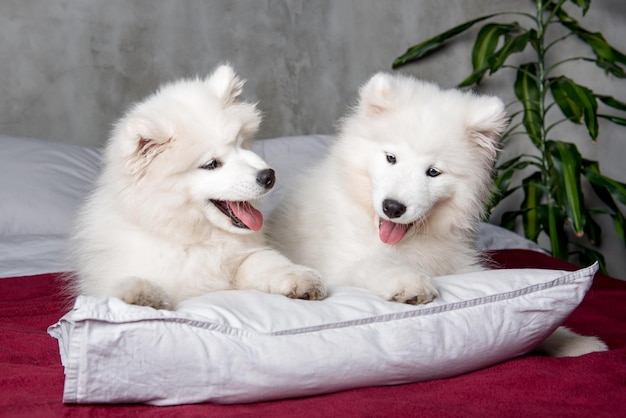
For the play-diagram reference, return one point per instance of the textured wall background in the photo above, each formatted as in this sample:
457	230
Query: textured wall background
68	68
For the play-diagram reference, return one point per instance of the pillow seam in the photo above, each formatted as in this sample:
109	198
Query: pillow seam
456	306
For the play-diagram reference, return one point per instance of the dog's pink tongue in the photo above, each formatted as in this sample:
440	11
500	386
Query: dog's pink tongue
247	214
390	232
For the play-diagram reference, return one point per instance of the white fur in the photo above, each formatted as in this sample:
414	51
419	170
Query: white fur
330	219
149	233
566	343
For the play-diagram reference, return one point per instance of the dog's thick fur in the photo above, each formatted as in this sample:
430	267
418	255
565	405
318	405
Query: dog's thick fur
170	217
406	145
398	199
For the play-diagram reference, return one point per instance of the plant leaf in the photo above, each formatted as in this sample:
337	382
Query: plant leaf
484	48
473	78
619	223
610	101
531	216
527	92
512	46
593	231
509	163
614	119
576	101
515	161
508	219
583	4
589	256
487	41
503	180
609	67
567	163
568	105
599	182
596	41
600	46
603	184
556	232
429	46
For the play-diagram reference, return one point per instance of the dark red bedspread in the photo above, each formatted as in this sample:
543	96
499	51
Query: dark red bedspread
31	375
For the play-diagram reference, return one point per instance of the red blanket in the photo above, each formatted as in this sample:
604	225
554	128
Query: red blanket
31	375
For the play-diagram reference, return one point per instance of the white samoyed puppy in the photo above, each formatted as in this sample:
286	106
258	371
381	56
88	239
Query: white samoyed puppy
399	197
171	216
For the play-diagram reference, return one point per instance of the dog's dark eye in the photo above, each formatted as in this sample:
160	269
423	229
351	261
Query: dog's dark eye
212	165
432	172
391	159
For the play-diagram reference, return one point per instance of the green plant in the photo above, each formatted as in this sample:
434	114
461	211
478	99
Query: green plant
553	195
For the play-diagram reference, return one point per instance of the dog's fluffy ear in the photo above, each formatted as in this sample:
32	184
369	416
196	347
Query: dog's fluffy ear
225	84
487	122
148	142
376	94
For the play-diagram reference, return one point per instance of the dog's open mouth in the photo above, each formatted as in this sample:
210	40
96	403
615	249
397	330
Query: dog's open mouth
390	232
241	214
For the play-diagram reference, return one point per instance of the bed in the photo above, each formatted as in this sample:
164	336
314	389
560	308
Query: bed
42	182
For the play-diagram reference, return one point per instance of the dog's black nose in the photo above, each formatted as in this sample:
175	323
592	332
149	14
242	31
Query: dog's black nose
266	178
393	208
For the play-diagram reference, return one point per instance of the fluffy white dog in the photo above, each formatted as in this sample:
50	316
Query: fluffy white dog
398	199
171	214
399	196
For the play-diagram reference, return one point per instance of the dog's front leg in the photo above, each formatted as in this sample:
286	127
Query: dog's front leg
141	292
389	279
269	271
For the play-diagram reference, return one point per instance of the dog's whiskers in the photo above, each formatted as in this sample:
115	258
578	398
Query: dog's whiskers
420	225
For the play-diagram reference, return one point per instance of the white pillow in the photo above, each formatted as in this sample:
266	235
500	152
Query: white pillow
27	255
247	346
42	183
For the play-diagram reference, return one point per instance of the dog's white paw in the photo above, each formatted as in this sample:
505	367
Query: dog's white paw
298	282
412	289
144	293
566	343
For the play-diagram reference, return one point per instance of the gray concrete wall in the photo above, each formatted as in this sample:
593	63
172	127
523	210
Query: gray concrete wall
69	68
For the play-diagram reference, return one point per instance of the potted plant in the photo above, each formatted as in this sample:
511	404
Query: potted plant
553	202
